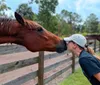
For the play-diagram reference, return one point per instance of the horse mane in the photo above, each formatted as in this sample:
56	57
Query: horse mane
5	25
5	19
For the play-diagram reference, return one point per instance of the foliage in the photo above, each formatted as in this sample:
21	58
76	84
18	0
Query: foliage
25	11
62	24
45	15
72	18
99	28
63	27
3	7
91	24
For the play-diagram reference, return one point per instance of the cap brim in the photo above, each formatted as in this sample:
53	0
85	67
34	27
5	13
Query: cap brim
67	39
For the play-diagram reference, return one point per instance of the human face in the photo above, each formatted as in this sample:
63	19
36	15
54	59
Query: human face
71	46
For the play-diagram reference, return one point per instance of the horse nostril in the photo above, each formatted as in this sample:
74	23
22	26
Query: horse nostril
61	47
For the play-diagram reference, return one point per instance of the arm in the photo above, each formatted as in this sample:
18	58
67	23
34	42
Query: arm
97	76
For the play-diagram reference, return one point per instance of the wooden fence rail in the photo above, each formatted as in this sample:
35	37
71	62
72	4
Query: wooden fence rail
18	71
28	68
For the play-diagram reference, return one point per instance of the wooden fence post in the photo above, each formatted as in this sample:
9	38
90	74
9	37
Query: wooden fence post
87	41
94	45
73	63
99	46
41	68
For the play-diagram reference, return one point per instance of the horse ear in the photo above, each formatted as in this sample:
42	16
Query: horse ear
19	18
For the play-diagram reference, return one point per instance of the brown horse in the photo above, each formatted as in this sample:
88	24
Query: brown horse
29	34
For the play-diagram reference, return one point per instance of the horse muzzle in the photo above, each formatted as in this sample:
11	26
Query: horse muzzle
61	47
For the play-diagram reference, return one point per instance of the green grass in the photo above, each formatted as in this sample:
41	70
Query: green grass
76	78
98	53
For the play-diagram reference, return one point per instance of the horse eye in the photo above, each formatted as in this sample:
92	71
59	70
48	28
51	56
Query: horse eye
40	29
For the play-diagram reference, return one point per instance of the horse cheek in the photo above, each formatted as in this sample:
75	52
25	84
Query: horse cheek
31	44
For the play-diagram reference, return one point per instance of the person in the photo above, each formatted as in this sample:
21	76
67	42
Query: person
90	65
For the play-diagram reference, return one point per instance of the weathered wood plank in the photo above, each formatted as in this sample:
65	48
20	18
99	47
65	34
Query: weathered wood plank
61	60
48	76
31	82
54	73
19	74
18	60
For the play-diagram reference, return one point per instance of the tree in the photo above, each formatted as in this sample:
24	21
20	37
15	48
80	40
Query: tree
79	28
72	18
76	18
25	11
46	10
63	27
99	27
53	24
47	5
65	15
91	24
3	7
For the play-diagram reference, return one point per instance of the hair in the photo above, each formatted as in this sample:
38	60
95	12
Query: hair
91	51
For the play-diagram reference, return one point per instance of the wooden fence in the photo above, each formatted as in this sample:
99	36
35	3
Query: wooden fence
95	45
38	68
24	67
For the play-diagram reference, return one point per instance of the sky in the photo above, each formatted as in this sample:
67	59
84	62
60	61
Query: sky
82	7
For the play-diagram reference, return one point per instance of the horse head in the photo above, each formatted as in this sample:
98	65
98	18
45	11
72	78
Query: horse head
34	37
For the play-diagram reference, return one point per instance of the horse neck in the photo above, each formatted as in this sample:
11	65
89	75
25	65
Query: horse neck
7	39
6	33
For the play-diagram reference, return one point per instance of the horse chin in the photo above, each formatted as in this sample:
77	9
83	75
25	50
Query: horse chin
61	47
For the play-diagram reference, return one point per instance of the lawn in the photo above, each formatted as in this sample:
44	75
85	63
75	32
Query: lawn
76	78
